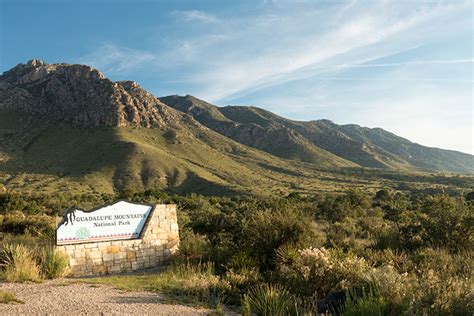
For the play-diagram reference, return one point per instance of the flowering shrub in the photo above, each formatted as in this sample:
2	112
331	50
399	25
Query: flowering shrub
321	270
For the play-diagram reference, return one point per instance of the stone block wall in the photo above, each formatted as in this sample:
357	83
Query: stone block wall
159	239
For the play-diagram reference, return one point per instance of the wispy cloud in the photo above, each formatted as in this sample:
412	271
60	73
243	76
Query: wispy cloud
406	63
113	59
196	15
290	43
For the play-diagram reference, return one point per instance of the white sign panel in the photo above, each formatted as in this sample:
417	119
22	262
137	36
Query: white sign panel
121	220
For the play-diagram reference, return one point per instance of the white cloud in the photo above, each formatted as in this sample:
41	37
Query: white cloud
113	59
276	47
196	15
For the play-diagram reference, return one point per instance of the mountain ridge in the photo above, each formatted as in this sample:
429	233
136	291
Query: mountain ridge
70	122
69	128
363	146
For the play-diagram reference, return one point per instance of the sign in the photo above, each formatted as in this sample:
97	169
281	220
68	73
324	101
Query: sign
121	220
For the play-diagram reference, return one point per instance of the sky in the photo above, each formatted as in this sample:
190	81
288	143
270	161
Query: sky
405	66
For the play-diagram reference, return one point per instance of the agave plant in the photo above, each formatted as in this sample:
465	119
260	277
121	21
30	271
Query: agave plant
271	300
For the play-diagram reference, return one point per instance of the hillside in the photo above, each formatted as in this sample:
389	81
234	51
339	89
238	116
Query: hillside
69	121
316	141
257	132
67	128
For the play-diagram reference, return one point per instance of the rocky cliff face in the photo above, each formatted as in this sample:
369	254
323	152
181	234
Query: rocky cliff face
81	96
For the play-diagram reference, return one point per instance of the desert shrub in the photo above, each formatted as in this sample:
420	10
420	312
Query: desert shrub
205	288
387	238
268	230
34	225
171	136
441	222
441	260
26	240
368	303
242	261
241	281
194	247
198	282
8	297
353	203
423	291
18	263
400	260
396	288
348	234
271	300
53	263
439	294
322	271
241	273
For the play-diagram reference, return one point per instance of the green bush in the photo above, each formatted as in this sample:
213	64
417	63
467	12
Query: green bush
8	297
53	263
370	303
441	222
34	225
18	264
271	300
322	271
194	247
268	230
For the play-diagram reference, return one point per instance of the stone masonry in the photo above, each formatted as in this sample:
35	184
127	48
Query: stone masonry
158	241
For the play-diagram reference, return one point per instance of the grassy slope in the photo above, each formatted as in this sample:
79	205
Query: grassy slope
102	160
64	159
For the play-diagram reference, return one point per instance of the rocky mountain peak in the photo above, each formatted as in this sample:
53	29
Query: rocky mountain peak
37	70
81	96
36	63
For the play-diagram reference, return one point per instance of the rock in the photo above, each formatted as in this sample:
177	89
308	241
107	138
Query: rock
81	96
35	63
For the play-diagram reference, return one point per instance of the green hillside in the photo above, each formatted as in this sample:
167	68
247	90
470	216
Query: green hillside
314	141
68	129
61	157
255	130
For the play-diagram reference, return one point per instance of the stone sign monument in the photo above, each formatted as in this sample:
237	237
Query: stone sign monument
120	237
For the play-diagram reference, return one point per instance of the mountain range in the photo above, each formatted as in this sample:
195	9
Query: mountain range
68	126
322	140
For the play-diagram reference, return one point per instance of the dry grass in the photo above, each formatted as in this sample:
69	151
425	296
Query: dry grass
7	297
19	264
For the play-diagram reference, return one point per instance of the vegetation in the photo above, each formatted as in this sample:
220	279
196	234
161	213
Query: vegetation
7	297
270	300
53	263
389	252
18	264
184	282
30	259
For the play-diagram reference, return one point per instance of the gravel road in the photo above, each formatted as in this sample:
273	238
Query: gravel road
60	297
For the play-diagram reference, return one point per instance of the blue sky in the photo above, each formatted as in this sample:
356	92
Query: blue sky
405	66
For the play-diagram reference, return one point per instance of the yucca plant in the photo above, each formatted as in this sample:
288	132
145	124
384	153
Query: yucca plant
369	303
18	263
53	263
271	300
